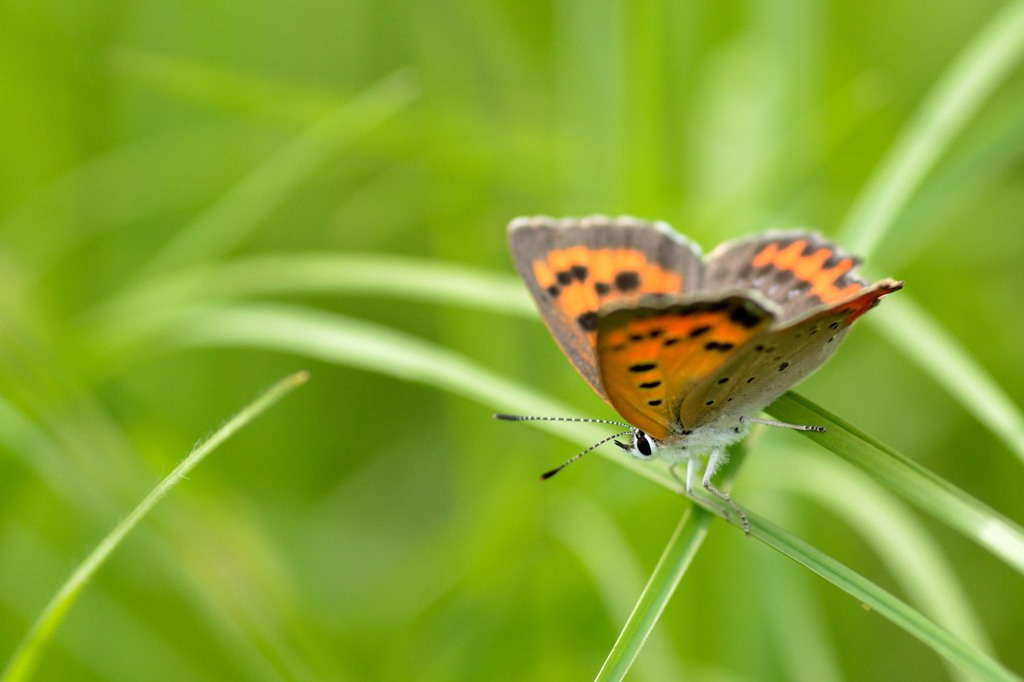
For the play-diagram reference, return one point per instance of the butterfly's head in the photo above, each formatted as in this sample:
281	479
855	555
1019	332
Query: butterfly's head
640	446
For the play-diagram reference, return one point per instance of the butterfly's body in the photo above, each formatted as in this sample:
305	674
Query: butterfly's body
687	349
689	445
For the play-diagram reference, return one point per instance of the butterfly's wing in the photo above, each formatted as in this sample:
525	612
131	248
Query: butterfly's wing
653	353
573	267
798	270
816	285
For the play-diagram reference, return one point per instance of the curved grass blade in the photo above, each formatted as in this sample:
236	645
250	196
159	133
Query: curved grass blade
968	82
25	659
964	656
367	274
896	535
988	528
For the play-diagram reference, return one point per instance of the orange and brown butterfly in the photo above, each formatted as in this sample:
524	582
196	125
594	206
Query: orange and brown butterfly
688	350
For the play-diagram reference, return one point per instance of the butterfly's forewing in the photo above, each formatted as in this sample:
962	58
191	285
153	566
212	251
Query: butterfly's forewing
653	353
800	271
574	267
778	360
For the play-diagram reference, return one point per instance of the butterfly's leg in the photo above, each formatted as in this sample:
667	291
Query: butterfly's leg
691	470
783	425
713	462
687	482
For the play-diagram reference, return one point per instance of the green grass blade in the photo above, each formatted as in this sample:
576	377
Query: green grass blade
26	658
896	535
976	73
942	499
941	357
682	547
679	553
367	274
955	650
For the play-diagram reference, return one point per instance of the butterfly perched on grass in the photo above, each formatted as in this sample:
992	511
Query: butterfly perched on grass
689	349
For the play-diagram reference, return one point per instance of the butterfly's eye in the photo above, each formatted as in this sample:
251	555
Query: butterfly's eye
642	444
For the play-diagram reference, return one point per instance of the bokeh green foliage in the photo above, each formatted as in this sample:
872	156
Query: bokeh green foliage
177	179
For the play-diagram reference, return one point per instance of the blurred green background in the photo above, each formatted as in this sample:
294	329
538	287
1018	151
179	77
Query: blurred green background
376	525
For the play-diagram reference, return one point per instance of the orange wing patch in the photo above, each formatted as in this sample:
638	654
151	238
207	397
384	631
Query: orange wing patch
820	269
580	280
651	357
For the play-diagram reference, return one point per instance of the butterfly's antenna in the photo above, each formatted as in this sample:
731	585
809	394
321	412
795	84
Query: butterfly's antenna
528	418
548	474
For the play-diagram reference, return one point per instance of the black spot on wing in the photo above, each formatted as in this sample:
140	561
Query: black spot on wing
587	321
628	280
642	367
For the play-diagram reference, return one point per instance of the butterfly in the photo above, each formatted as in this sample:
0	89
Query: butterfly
689	349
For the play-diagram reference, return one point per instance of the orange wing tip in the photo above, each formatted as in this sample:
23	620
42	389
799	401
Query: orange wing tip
870	296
